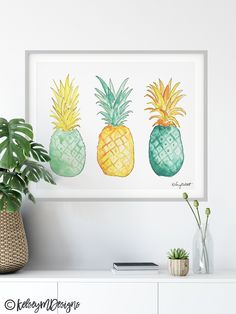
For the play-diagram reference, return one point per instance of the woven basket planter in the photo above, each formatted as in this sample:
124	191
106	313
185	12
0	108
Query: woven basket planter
178	267
13	242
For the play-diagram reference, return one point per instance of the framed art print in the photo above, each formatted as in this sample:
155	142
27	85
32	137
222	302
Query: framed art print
120	125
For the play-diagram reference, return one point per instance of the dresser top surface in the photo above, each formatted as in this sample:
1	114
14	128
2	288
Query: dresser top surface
110	276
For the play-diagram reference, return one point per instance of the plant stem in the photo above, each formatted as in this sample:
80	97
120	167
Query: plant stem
204	248
206	225
195	216
199	217
203	235
205	254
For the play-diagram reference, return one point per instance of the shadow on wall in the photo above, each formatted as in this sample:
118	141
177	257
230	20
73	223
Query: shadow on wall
94	235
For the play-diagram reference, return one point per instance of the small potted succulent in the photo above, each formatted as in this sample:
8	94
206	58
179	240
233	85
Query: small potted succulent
178	262
21	162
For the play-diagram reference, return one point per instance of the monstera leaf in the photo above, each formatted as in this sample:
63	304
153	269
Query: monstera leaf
10	198
30	195
15	137
38	152
33	171
13	179
17	148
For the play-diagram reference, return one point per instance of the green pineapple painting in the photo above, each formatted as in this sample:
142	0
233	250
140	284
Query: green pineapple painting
67	148
166	153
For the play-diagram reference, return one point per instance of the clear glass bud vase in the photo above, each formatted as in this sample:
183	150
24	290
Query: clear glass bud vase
203	262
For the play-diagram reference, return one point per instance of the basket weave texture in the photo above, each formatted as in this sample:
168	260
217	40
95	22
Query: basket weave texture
13	242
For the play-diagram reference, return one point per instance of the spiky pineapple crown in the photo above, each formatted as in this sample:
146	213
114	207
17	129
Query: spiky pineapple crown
65	101
114	104
164	100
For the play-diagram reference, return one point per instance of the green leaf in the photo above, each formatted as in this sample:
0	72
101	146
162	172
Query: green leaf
100	98
102	95
112	87
122	86
13	179
34	171
122	118
107	90
15	142
115	104
104	106
178	254
9	197
38	152
30	196
105	115
124	106
125	95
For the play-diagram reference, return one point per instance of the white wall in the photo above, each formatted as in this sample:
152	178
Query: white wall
93	235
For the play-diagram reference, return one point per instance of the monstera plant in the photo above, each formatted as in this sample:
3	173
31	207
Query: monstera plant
20	163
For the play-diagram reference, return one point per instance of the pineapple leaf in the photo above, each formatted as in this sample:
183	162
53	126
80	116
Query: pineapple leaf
112	87
103	96
100	98
164	100
161	86
122	117
122	97
113	103
65	101
174	89
104	114
124	106
107	91
122	86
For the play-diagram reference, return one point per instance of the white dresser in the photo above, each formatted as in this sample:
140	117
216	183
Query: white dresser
102	292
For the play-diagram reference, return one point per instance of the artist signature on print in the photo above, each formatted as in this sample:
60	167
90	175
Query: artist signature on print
181	185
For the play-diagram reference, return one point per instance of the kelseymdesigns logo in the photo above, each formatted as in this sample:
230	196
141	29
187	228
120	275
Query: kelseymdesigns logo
35	306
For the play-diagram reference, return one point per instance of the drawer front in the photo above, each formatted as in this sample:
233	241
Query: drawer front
195	298
13	294
110	298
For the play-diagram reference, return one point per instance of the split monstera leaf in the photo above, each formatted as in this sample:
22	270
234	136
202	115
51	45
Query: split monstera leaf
20	163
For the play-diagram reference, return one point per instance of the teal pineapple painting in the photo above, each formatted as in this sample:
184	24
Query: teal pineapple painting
166	152
67	148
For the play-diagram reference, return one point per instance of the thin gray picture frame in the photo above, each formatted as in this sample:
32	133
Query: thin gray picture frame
204	53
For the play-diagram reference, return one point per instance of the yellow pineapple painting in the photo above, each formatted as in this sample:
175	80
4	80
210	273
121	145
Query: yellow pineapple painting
115	150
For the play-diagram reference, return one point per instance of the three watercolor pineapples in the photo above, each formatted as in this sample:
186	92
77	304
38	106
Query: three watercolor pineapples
115	150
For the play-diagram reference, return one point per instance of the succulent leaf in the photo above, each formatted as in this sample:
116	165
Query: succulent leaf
178	254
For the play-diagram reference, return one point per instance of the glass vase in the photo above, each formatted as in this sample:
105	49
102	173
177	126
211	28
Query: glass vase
203	251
